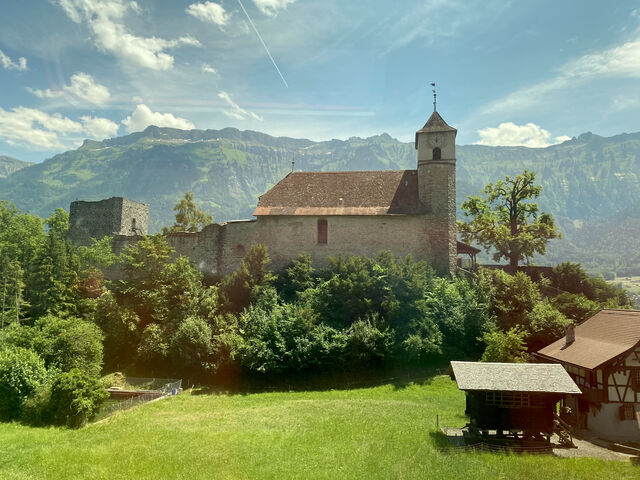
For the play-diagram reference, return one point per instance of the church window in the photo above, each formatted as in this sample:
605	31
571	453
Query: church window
437	154
322	231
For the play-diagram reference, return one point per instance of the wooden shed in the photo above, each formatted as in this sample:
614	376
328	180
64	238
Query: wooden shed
513	397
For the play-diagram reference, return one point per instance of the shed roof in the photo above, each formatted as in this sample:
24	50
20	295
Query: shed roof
513	377
466	248
598	339
381	192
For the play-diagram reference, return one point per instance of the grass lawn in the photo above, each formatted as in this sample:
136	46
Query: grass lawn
382	432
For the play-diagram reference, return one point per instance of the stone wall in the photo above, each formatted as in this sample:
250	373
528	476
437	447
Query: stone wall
134	218
219	248
113	216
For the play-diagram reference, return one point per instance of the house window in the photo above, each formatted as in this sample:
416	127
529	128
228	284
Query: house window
437	155
322	232
627	412
507	399
635	379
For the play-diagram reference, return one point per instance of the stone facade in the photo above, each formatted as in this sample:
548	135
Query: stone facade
113	216
410	212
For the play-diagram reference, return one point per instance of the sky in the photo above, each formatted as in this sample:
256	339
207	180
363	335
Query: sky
518	72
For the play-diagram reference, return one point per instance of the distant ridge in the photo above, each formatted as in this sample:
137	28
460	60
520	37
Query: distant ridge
8	165
591	183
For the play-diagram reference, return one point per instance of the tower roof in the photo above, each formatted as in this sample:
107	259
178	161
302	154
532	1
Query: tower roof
435	124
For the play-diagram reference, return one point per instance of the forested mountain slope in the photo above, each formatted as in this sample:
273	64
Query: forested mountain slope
9	165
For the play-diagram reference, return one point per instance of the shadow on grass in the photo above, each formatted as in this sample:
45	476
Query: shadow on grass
440	440
398	377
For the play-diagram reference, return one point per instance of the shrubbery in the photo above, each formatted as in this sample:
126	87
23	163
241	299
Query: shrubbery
75	398
22	371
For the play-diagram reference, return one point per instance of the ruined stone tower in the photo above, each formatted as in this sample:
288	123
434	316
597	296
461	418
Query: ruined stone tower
436	145
115	216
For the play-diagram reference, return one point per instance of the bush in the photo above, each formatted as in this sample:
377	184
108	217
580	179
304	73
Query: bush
36	410
67	343
507	346
191	344
22	371
369	340
75	398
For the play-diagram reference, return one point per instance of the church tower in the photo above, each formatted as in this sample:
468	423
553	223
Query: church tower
436	145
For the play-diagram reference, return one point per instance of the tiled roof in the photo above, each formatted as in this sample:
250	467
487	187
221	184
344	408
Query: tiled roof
466	248
435	124
513	377
598	339
385	192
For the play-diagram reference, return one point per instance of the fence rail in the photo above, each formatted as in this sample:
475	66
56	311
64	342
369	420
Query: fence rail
138	391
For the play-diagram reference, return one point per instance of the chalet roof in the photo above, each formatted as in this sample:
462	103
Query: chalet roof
382	192
435	124
466	248
513	377
598	339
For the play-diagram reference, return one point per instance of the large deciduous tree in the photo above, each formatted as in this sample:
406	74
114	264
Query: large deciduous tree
506	221
188	217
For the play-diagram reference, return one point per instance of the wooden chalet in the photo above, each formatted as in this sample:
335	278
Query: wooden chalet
602	355
513	397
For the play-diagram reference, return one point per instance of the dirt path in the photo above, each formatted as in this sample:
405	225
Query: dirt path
590	450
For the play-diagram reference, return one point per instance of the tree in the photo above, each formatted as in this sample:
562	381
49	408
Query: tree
506	346
188	217
507	222
53	275
22	371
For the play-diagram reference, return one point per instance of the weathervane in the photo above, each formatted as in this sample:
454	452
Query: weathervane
293	163
434	96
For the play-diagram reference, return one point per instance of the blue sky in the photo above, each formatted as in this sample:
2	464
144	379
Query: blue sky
508	72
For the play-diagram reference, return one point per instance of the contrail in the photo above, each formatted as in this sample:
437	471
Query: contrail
263	44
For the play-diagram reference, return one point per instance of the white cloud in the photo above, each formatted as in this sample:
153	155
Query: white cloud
82	88
209	12
209	69
9	64
99	128
619	61
105	17
236	110
271	7
28	126
142	117
510	134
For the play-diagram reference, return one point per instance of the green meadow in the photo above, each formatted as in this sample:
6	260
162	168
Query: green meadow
381	432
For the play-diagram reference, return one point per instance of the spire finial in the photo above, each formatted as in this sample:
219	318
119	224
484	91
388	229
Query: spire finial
293	163
433	89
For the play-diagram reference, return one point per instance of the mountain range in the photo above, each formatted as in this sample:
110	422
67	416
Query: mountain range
591	184
9	165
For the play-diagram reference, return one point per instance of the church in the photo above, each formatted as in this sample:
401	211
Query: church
324	214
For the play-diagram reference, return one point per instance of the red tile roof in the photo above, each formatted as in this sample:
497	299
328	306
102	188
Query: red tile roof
385	192
601	338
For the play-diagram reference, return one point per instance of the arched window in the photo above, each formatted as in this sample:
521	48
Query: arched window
133	225
437	155
322	232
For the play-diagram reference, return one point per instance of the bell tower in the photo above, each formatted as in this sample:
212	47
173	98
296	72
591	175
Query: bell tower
436	145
